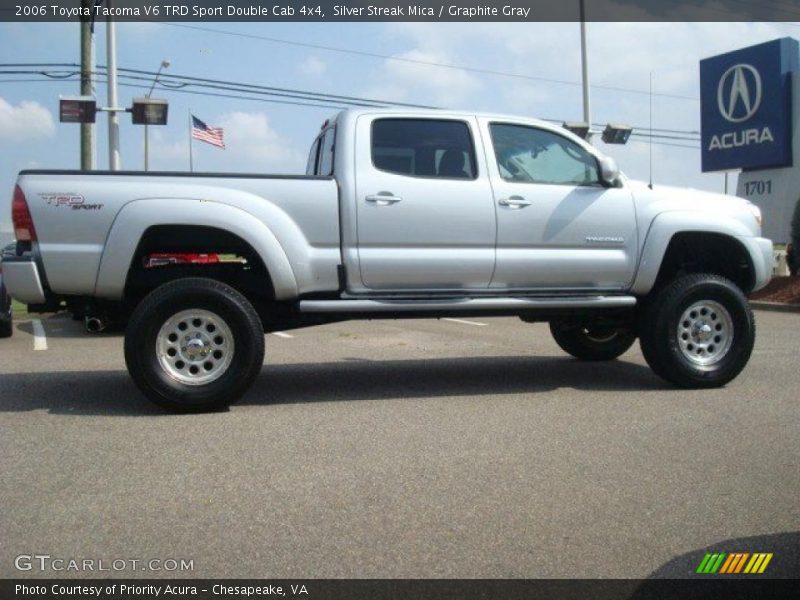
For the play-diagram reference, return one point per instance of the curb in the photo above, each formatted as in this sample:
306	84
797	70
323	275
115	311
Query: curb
776	307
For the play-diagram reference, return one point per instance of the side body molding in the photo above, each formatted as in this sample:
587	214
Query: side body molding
137	216
665	225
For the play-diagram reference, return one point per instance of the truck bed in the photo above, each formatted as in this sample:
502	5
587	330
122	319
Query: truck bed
78	215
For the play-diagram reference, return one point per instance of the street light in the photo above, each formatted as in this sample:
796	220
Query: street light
149	111
616	134
77	109
164	65
579	128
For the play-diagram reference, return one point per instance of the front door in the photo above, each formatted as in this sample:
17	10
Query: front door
558	227
425	211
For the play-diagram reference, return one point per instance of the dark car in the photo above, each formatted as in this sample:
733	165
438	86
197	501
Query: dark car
6	317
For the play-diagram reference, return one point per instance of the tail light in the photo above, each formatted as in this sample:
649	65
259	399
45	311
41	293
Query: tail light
21	216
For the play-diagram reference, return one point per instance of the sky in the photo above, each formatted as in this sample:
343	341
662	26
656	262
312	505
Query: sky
267	137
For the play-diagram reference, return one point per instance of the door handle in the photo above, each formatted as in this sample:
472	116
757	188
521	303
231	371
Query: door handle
514	202
384	199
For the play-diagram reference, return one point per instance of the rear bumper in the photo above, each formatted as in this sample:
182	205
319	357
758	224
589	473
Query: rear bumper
21	277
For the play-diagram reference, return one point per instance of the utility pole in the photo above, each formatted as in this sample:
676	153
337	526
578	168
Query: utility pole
587	107
87	85
113	119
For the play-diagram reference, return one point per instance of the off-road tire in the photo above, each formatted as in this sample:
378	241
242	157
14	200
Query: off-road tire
668	331
592	343
230	313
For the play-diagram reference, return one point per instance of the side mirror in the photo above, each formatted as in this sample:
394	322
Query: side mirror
609	172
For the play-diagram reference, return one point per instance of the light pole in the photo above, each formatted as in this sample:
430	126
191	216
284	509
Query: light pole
587	108
164	65
113	120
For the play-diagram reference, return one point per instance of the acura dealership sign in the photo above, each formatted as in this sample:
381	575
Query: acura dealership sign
739	93
746	107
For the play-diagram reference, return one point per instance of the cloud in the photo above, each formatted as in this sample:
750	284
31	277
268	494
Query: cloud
313	66
254	144
175	152
25	121
410	79
545	57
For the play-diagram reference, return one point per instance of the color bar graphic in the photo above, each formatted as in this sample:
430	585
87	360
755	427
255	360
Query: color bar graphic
734	563
711	563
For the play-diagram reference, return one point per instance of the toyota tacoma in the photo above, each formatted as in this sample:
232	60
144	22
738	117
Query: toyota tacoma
401	213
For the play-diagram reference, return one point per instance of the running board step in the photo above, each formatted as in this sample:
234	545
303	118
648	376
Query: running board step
463	304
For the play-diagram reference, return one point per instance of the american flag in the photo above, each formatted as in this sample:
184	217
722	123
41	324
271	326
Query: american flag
204	133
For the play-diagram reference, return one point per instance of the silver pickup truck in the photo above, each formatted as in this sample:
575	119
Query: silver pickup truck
400	214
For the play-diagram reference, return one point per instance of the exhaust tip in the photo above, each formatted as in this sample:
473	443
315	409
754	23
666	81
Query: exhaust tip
94	324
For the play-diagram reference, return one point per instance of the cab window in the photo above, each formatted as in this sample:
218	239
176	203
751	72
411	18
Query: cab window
432	148
531	155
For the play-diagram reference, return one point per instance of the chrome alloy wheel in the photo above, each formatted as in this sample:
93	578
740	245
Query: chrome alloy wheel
705	333
195	347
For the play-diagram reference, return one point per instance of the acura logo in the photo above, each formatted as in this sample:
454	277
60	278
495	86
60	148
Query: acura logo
739	93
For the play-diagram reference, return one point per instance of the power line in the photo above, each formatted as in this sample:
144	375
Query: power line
272	101
665	137
177	82
272	89
186	80
102	79
665	144
172	81
416	61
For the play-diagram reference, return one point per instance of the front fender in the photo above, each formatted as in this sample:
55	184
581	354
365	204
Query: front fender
665	225
137	216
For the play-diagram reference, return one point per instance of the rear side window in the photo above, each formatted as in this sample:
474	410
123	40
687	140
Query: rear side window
424	148
325	163
311	165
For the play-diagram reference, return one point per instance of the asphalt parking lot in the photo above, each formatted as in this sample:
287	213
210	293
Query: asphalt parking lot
440	448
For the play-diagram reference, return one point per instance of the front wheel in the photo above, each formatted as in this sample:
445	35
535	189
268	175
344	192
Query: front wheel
194	345
698	331
592	342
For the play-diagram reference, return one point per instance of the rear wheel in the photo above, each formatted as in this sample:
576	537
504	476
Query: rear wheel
592	342
194	345
6	327
698	331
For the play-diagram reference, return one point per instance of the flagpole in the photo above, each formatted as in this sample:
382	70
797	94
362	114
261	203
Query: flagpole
191	162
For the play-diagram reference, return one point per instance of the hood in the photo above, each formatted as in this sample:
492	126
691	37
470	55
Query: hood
689	198
665	198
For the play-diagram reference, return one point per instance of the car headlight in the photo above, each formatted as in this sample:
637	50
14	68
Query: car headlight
756	212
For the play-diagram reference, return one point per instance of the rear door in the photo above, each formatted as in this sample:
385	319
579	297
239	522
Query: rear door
425	212
558	227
